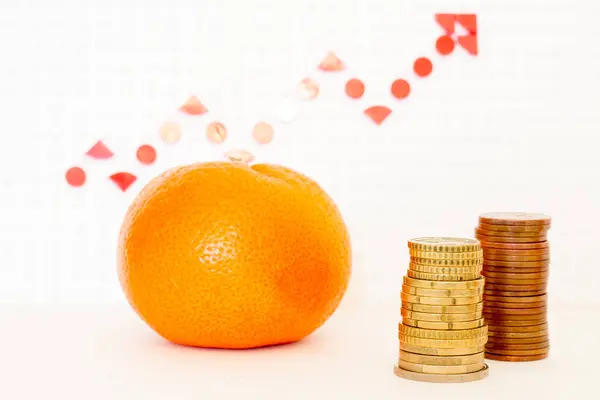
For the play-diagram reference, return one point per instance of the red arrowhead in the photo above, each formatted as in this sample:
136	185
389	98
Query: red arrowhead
123	180
331	63
378	114
468	21
193	107
100	151
469	43
446	21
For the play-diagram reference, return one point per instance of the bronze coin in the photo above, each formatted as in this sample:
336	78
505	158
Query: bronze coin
508	234
532	328
523	293
514	218
515	282
505	252
518	321
517	276
513	311
513	228
512	239
531	352
497	357
499	346
518	341
515	246
513	305
517	335
499	257
515	288
507	299
514	270
518	264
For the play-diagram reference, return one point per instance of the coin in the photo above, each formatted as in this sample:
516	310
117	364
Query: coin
512	239
442	343
440	369
443	325
440	317
532	352
512	252
514	218
515	358
516	288
420	283
442	334
515	246
506	299
518	264
441	360
523	293
438	351
499	257
533	328
517	276
427	308
513	228
498	304
515	321
443	277
519	341
433	269
497	346
446	256
511	270
514	311
457	263
508	234
433	378
442	292
515	335
441	301
444	244
516	282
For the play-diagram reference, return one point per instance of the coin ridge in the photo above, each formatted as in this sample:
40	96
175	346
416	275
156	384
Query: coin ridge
443	343
424	284
433	378
440	369
450	326
442	334
440	360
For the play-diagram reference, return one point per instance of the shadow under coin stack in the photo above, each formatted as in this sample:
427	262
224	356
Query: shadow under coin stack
442	334
516	265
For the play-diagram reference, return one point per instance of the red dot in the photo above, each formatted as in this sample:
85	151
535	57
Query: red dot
355	88
400	89
444	45
75	176
423	67
146	154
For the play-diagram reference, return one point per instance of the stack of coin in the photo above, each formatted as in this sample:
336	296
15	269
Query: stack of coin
516	260
442	334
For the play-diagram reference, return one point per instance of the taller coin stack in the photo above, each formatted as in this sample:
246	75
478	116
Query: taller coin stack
516	261
442	334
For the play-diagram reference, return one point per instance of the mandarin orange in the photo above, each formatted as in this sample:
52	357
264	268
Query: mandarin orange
233	256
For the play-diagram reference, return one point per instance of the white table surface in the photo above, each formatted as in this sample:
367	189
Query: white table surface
108	353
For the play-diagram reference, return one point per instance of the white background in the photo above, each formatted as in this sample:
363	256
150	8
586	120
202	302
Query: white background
513	129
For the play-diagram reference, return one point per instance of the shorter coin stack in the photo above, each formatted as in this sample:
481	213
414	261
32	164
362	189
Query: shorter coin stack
516	262
442	334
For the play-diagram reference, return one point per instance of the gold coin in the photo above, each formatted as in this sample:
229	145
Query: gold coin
442	292
518	341
444	244
506	252
493	323
498	257
524	293
433	378
512	239
497	304
497	346
441	301
427	308
533	328
437	351
449	263
513	228
440	369
516	288
440	317
444	325
532	352
515	246
446	256
435	269
515	335
442	334
516	358
443	343
517	276
508	234
514	218
420	283
517	282
441	360
514	311
443	277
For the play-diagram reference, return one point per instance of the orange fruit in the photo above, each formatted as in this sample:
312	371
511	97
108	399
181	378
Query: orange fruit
231	256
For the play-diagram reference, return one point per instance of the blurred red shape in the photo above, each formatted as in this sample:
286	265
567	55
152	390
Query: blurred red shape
444	45
468	21
75	176
193	106
331	63
469	43
100	151
446	21
146	154
378	114
123	180
355	88
423	66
